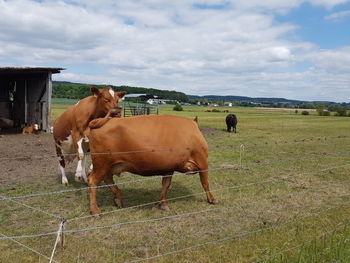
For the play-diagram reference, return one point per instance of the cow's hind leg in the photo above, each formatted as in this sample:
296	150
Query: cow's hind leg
203	175
166	181
117	193
204	180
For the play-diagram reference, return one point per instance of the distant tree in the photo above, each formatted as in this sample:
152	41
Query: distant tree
307	105
334	107
341	111
178	107
320	106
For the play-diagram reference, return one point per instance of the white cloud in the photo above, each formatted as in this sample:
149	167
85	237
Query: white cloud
237	49
338	16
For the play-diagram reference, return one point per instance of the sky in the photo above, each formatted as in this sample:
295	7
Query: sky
291	49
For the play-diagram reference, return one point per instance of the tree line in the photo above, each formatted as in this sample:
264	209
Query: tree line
78	91
70	90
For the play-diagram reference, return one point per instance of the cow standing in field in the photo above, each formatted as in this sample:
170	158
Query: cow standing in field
159	145
70	128
231	122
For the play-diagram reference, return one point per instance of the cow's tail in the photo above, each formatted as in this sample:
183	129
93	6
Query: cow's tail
196	120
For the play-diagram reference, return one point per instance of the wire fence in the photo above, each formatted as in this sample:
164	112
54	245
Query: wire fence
281	252
175	216
233	166
29	248
238	235
150	149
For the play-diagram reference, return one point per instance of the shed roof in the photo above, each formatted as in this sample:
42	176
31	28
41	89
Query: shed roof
26	70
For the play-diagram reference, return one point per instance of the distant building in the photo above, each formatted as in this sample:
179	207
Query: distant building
156	101
228	104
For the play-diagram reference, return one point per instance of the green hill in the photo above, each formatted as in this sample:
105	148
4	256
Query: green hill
62	89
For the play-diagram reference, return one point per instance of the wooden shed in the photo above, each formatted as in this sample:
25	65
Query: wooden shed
25	95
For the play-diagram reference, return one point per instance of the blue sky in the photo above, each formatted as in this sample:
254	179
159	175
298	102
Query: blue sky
298	49
315	27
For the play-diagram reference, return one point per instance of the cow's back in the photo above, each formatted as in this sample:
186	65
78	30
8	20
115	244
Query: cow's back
159	129
231	119
156	141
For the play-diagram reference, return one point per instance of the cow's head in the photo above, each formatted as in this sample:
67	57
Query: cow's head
107	99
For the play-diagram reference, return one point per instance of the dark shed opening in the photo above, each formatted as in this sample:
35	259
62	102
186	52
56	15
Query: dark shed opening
25	95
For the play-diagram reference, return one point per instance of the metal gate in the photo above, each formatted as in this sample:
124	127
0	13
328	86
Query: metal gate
140	109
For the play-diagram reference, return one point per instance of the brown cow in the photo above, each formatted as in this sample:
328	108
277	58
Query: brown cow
69	128
31	129
181	146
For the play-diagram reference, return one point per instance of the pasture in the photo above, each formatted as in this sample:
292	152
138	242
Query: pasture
282	182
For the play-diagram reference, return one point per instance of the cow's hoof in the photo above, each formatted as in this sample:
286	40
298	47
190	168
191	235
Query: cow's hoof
65	181
95	212
78	178
85	180
164	207
213	201
118	203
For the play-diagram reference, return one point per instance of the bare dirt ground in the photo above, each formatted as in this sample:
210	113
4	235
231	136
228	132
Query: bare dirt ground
31	159
28	159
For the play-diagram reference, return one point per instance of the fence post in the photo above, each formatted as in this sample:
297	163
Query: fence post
58	238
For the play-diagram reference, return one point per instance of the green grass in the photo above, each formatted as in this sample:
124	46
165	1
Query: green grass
64	101
301	159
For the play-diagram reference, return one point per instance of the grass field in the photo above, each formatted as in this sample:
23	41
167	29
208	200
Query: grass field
282	181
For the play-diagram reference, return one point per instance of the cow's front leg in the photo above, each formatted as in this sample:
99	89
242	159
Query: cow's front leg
80	173
166	181
94	180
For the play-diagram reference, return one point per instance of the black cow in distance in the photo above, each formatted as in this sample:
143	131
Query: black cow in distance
231	122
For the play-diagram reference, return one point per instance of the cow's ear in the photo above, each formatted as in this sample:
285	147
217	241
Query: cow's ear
95	91
121	94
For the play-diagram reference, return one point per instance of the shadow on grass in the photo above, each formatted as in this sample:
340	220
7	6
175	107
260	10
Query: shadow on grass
133	196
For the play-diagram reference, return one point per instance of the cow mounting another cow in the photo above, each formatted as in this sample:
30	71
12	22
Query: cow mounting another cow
70	128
